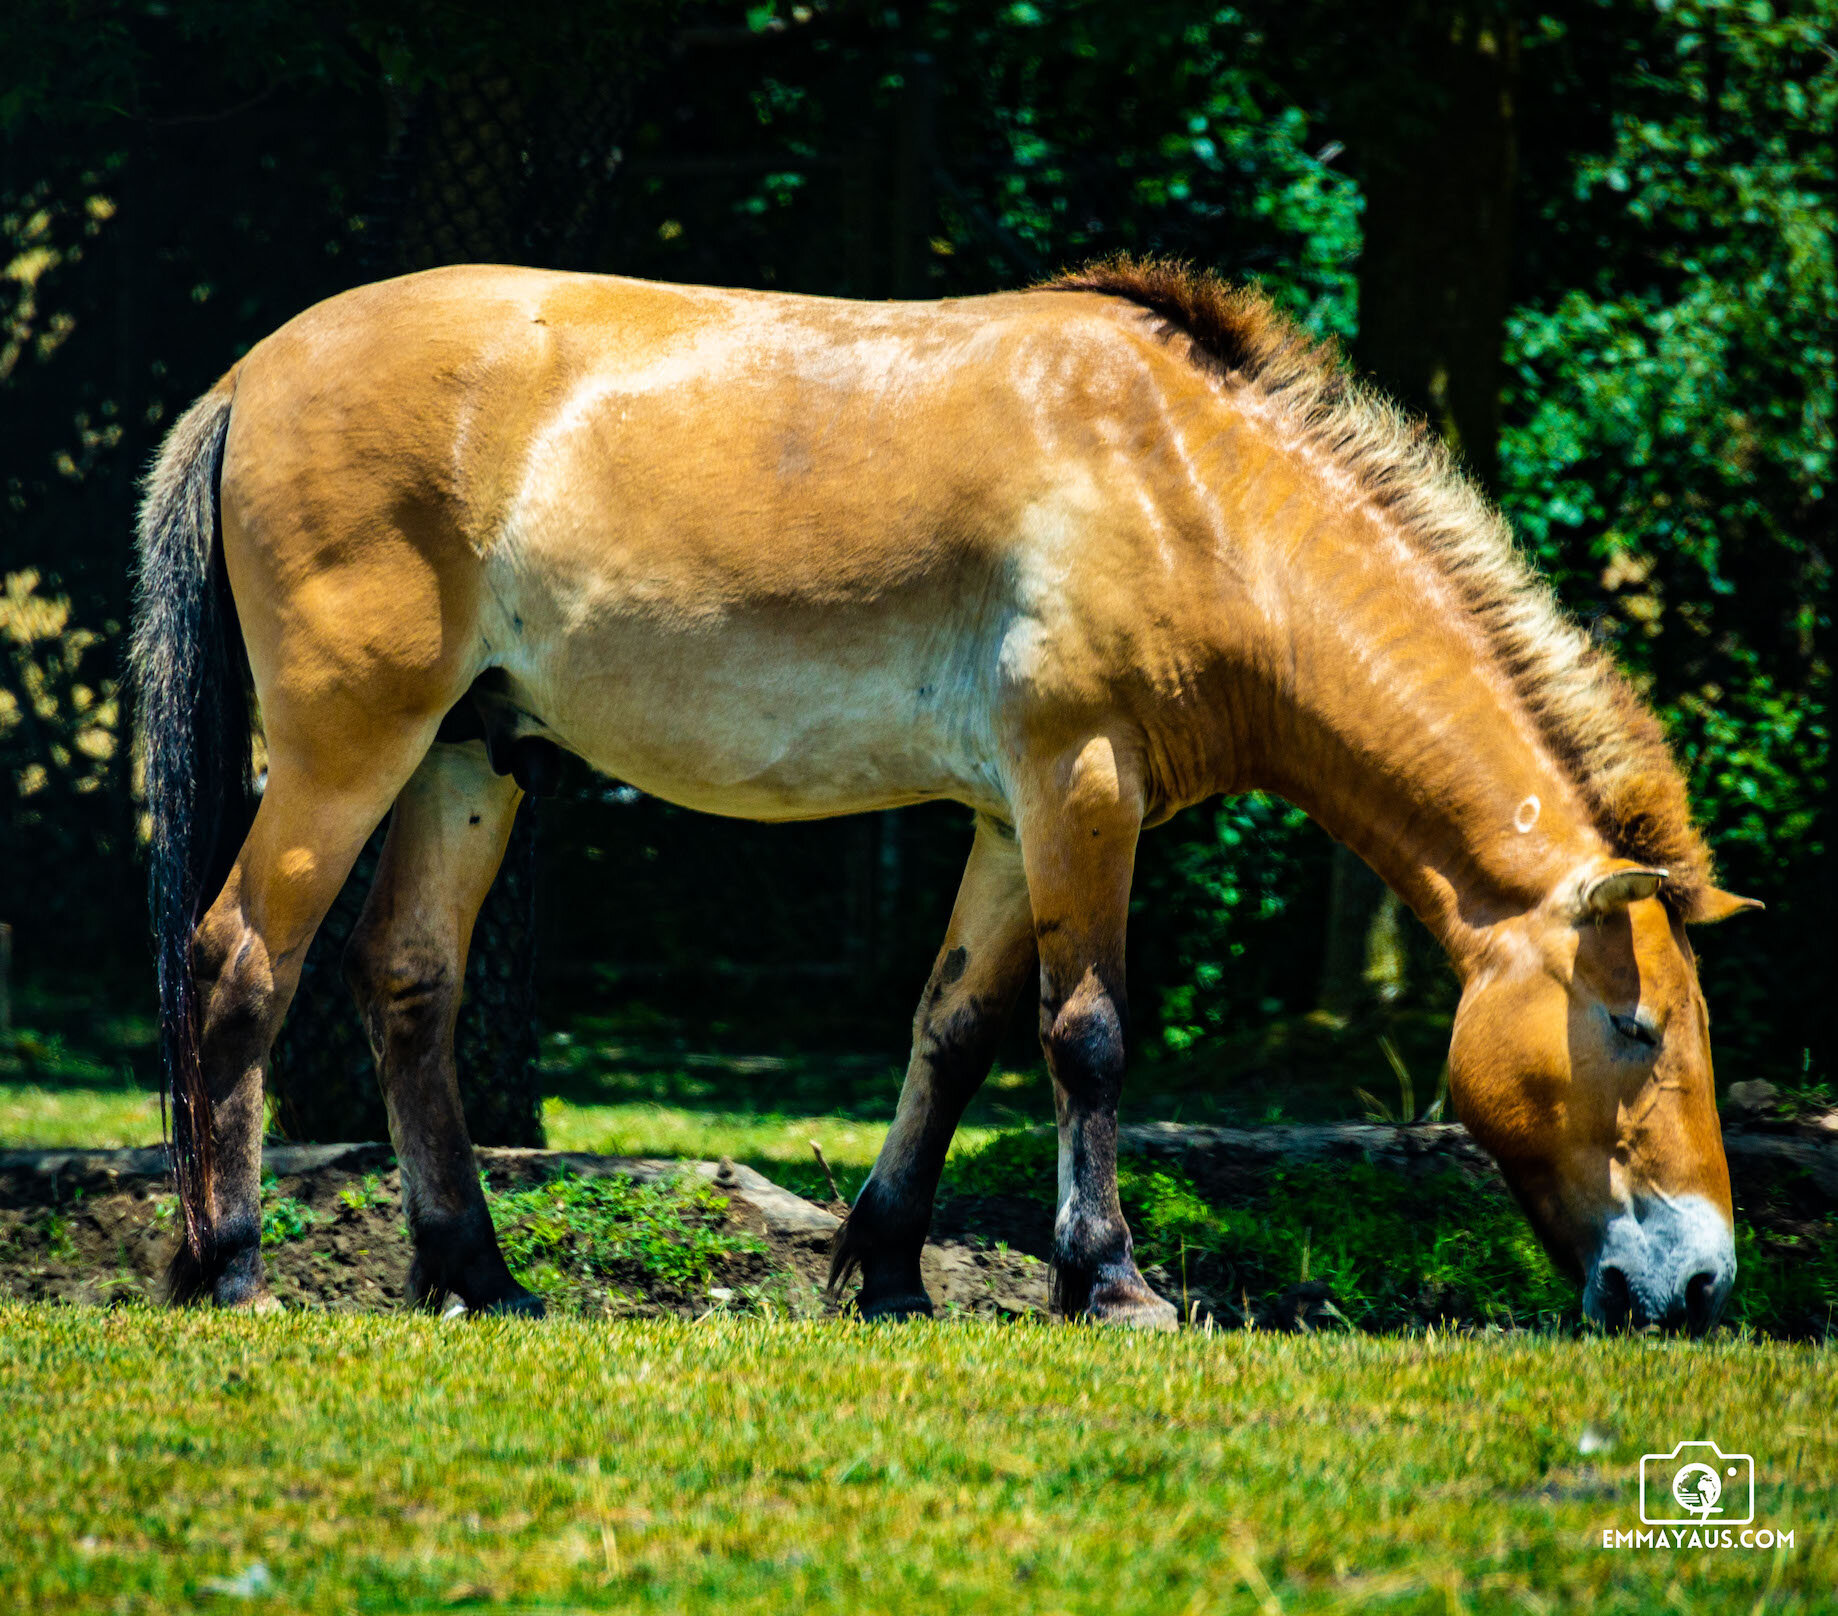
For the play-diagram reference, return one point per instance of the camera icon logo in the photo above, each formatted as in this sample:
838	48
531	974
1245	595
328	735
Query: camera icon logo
1697	1484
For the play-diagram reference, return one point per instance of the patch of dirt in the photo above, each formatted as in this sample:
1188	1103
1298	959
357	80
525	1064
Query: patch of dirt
99	1227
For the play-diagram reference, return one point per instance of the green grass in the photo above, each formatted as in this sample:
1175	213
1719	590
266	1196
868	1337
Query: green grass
322	1462
776	1144
409	1464
625	1098
77	1073
76	1118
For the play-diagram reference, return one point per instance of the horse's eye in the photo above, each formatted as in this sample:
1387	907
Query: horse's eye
1636	1031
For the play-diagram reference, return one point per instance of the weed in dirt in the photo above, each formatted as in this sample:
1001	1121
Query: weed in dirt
283	1217
587	1242
55	1236
362	1197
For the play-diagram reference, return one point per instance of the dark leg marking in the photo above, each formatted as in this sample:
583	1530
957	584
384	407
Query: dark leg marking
1094	1266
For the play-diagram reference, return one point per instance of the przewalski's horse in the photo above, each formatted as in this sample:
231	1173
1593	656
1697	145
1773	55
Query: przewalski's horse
1076	557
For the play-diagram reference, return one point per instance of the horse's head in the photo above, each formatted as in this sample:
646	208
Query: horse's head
1581	1061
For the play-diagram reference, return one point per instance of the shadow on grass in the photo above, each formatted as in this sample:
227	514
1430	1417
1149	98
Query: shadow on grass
1291	1069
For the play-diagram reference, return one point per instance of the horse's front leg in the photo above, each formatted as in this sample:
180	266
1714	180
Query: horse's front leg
987	954
406	964
1079	824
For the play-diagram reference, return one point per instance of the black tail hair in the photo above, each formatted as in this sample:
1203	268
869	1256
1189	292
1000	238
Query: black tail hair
190	673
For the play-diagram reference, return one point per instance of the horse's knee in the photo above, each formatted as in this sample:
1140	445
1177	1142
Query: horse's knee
1083	1036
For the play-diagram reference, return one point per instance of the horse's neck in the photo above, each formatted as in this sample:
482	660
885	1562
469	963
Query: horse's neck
1396	728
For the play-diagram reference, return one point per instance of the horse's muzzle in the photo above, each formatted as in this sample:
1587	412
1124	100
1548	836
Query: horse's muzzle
1666	1263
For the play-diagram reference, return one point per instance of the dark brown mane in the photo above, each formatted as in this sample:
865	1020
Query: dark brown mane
1588	714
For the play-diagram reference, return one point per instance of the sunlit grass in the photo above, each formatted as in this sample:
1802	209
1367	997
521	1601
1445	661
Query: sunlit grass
401	1463
779	1146
77	1118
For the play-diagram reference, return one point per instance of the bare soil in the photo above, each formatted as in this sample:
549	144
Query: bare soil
99	1227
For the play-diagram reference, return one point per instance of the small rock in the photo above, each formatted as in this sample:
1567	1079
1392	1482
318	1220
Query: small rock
1594	1440
250	1583
1756	1095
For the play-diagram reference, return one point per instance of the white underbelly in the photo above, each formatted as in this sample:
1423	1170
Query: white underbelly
758	722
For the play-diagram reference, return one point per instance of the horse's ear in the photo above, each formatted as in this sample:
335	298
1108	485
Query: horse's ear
1715	904
1619	887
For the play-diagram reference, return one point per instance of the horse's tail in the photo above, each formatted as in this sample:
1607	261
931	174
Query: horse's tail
190	672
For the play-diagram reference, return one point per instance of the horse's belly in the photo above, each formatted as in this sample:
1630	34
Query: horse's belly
760	723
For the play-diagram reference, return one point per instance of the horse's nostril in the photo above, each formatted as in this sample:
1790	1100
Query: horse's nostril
1616	1298
1701	1302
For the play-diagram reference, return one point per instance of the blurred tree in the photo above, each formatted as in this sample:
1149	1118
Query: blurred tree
1424	98
1668	451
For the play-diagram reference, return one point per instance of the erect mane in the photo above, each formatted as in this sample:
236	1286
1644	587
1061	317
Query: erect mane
1586	711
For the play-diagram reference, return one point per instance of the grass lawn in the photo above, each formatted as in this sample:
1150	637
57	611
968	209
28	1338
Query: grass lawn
400	1463
158	1461
47	1118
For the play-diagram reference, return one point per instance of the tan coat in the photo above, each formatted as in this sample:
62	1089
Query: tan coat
1076	558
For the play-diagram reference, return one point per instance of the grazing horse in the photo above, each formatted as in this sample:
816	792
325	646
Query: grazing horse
1076	557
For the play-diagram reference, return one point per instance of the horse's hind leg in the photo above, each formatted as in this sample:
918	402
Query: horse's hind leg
406	963
987	955
247	957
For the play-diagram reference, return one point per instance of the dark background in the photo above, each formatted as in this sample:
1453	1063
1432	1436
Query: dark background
1593	241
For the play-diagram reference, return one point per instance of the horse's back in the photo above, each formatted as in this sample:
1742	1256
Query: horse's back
834	531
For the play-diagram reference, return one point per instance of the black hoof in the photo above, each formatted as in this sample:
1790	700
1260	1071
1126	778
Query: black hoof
1116	1295
1138	1313
892	1309
526	1306
229	1277
483	1285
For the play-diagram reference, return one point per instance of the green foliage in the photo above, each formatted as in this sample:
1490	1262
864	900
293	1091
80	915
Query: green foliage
1792	1278
1150	127
54	1232
1222	896
1669	445
579	1240
283	1217
62	775
1393	1251
362	1196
